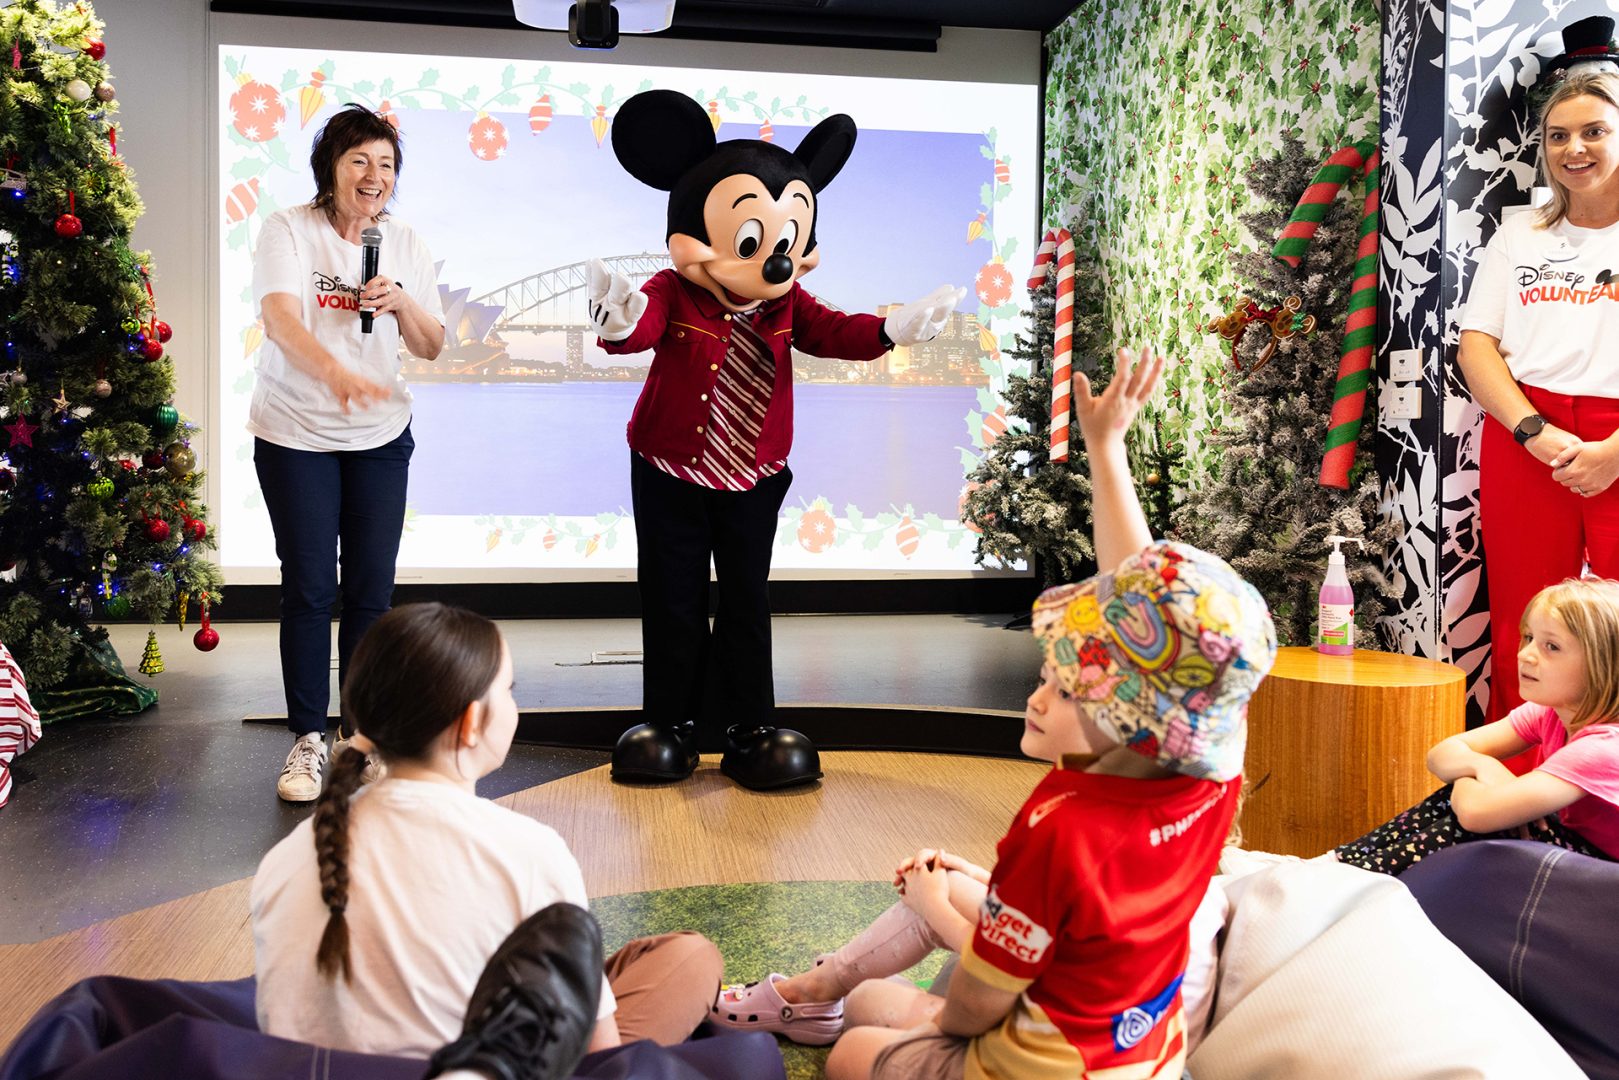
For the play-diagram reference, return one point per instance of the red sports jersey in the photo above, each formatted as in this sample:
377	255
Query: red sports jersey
1087	917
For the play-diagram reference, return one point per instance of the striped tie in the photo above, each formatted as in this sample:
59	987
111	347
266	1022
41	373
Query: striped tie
741	396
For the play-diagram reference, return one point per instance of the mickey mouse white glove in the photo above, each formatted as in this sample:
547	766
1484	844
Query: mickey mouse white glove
614	304
921	320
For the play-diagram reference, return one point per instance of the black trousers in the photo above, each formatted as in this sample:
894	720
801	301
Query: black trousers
713	678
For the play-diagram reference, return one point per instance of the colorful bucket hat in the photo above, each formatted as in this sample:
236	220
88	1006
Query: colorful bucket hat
1164	652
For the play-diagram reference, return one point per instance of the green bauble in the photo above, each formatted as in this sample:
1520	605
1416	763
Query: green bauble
116	607
101	487
131	326
165	419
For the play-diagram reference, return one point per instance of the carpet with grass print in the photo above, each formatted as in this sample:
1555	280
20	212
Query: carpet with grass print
760	928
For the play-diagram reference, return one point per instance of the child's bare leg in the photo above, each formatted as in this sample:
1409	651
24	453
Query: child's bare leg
882	1003
856	1053
898	939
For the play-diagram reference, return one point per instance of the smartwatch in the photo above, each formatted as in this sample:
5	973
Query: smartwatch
1528	428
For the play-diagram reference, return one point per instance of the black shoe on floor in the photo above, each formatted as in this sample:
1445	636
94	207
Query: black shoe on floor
534	1008
767	758
655	753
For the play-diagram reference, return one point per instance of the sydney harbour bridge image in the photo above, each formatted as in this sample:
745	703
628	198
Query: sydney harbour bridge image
485	331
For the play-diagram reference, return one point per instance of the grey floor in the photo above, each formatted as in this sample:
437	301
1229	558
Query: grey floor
110	816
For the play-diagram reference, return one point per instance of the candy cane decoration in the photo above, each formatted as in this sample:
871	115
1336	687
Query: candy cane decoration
1360	329
1058	246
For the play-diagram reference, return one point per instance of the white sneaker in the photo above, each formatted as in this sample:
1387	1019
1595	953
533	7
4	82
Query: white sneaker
374	768
300	776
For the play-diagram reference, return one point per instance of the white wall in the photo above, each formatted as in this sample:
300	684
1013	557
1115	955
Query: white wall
162	54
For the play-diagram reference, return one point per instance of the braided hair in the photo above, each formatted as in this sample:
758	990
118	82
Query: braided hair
410	679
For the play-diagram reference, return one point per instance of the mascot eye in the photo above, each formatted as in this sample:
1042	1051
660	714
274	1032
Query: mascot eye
748	238
789	237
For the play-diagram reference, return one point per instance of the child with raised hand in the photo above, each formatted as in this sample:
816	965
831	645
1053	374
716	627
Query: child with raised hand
1568	674
374	919
1073	948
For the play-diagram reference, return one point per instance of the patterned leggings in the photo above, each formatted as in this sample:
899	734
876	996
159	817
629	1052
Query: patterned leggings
1430	826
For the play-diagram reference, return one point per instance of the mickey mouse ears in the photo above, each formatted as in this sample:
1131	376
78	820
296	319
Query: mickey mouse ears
659	135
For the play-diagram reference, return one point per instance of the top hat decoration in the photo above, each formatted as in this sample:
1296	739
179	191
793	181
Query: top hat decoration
1586	42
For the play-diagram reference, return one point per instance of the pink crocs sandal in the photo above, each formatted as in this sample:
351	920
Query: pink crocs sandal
756	1006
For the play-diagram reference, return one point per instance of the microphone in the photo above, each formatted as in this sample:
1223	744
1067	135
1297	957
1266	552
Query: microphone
370	256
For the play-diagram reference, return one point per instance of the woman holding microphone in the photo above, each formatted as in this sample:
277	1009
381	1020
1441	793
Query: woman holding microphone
331	412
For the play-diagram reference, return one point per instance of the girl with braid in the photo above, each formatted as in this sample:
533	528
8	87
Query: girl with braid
373	920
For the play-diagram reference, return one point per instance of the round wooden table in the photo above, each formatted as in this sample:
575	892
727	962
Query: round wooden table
1337	745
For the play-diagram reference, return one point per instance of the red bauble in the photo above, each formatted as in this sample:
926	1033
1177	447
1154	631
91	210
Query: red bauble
69	226
152	350
256	110
157	530
164	333
994	283
206	639
194	529
95	48
154	459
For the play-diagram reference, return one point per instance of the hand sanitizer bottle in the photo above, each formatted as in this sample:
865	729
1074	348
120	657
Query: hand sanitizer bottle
1336	604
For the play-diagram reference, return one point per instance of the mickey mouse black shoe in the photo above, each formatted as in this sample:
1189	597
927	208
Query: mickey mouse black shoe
534	1008
766	758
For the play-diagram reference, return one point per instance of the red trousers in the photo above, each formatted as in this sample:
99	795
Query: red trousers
1536	531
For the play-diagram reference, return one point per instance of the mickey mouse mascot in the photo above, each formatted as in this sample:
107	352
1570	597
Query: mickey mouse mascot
710	433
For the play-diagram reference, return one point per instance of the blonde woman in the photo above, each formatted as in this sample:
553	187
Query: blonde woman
1540	350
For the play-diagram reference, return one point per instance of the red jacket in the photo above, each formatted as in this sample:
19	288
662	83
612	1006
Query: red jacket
689	332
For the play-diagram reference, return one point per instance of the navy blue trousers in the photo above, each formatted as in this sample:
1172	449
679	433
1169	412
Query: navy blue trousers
340	510
690	674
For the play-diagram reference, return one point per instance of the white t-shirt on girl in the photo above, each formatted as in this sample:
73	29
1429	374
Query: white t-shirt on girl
300	253
437	879
1538	292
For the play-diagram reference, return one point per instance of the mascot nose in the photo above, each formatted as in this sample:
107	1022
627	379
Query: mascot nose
777	269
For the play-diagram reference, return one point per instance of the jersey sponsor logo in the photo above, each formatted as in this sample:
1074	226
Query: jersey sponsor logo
1004	926
1163	834
1136	1023
1039	813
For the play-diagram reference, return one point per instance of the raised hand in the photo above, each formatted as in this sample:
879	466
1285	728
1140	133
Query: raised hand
615	305
922	320
1108	415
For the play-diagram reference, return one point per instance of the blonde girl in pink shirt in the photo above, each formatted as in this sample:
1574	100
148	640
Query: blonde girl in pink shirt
1568	672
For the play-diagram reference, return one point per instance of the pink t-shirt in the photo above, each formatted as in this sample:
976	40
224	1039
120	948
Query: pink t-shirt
1589	761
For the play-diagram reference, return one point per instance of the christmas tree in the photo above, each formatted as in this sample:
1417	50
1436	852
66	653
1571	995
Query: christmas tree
1020	502
100	514
1263	509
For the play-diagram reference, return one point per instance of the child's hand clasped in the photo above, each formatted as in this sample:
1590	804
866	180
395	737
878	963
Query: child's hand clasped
925	886
1108	415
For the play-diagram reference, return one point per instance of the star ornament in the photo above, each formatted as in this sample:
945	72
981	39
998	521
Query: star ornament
21	432
60	403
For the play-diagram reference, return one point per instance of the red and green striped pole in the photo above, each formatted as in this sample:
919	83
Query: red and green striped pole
1360	329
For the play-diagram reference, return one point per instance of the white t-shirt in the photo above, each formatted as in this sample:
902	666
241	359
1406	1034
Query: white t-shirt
300	253
437	879
1536	291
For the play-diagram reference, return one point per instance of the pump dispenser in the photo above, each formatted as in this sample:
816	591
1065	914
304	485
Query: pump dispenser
1336	603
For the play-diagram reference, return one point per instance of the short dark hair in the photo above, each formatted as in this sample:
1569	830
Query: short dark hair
354	124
